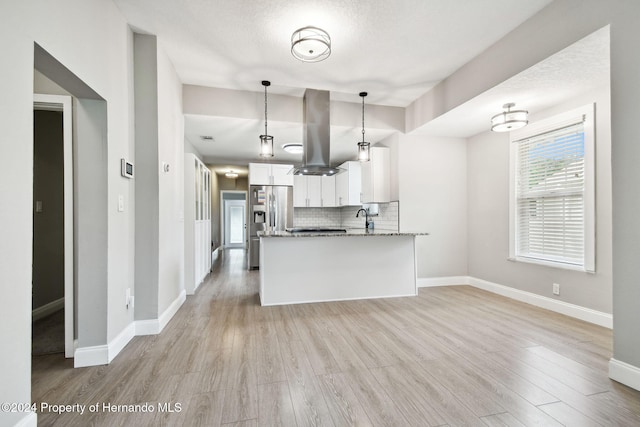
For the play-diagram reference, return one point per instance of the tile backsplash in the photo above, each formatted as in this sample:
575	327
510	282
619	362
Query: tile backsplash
387	219
316	217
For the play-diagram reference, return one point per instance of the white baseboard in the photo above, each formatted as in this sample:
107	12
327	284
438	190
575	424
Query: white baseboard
442	281
624	373
29	420
104	354
47	309
147	327
91	356
572	310
119	342
155	326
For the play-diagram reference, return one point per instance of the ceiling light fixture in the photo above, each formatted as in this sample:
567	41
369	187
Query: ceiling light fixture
310	44
266	140
509	119
363	147
231	174
294	148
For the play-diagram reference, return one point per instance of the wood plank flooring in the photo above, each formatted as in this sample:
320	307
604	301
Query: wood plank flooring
453	356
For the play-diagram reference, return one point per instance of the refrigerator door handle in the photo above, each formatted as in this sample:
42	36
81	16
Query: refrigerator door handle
272	213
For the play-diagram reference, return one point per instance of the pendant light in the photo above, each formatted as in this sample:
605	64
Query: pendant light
266	140
363	147
310	44
509	119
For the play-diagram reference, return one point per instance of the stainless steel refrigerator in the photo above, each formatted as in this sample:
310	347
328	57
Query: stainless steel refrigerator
270	209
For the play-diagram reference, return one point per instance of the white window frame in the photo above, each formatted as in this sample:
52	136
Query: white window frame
586	113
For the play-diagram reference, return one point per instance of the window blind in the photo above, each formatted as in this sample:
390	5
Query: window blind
550	196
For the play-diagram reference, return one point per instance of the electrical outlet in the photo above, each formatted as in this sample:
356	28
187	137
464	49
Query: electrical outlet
556	289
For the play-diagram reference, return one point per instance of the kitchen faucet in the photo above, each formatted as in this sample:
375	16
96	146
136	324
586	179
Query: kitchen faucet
366	215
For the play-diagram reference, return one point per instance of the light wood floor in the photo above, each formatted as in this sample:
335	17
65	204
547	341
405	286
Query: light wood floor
451	356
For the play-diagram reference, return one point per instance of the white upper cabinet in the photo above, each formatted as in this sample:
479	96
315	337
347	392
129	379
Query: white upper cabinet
313	191
328	191
280	175
299	191
270	174
349	184
376	177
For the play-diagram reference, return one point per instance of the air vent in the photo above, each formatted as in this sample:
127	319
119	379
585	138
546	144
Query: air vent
207	138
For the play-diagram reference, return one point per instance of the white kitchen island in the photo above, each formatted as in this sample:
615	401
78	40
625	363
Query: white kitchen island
314	267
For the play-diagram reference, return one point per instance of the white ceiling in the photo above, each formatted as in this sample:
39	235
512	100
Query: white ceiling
571	72
396	50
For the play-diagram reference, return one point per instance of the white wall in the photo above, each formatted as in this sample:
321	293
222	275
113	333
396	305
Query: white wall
250	105
555	27
73	32
189	148
433	198
91	218
488	215
625	150
146	176
171	200
160	214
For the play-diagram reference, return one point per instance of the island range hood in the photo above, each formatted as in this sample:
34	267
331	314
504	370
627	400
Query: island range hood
316	135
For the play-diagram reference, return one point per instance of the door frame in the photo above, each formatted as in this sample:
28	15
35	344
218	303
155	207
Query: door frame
222	216
64	103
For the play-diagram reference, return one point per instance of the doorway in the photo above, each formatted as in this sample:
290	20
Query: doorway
233	218
53	268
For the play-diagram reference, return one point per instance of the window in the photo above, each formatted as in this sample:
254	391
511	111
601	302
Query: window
552	191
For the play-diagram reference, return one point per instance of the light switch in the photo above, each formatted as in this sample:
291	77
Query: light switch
38	206
120	203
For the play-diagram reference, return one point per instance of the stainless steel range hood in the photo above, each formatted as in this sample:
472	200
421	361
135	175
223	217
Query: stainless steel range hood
316	135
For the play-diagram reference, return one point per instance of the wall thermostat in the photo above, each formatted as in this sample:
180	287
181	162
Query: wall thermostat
126	168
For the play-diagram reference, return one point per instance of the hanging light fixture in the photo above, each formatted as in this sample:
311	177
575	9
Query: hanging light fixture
231	174
266	140
509	119
310	44
363	147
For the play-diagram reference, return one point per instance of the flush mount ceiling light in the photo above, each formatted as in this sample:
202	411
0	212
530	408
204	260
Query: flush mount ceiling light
293	148
509	119
363	147
231	174
266	140
310	44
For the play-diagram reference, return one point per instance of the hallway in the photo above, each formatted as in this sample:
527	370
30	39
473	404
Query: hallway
451	356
